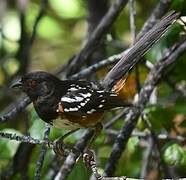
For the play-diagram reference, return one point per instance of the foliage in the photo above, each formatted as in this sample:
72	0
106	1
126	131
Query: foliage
60	33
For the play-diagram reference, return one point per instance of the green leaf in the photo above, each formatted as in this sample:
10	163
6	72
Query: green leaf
132	144
175	155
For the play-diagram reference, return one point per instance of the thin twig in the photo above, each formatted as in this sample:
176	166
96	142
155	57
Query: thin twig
73	156
43	6
22	51
26	139
128	61
22	103
151	37
96	36
95	67
179	88
132	13
115	118
145	135
154	77
146	157
42	154
160	9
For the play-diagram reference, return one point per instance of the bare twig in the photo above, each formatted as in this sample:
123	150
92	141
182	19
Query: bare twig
23	55
26	139
146	157
128	61
115	118
96	36
43	7
153	78
152	36
132	13
179	88
146	135
23	102
40	161
73	156
160	9
92	69
161	164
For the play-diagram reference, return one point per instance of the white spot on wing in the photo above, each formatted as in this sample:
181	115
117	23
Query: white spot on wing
72	100
86	95
72	89
100	106
79	98
83	103
67	99
103	100
66	110
91	111
100	91
73	109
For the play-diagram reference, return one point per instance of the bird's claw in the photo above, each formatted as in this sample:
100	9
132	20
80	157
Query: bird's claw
88	158
60	148
90	162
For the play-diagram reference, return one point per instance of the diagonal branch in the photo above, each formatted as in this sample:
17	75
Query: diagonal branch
153	78
96	36
129	60
152	37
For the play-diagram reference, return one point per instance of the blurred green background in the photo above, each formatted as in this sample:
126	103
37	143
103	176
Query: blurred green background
60	34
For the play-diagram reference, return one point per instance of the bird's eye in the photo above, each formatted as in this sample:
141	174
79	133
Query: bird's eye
32	83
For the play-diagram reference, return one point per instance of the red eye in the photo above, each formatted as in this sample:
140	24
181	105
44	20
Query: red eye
32	83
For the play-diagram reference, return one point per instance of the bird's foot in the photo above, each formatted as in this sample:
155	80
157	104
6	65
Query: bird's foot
60	148
89	159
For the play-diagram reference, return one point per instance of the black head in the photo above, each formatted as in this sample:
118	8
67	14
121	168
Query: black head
37	84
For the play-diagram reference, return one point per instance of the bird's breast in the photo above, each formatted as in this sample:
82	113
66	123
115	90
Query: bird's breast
73	122
65	123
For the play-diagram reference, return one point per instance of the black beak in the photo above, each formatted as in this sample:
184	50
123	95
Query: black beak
17	84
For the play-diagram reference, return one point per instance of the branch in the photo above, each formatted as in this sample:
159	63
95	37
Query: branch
96	36
23	55
22	103
43	6
145	43
160	9
25	139
42	154
153	78
146	135
70	161
129	60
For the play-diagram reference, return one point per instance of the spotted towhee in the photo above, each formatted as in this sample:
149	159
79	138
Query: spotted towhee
69	104
80	104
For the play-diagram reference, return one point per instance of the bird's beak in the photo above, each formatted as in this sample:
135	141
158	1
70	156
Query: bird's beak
17	84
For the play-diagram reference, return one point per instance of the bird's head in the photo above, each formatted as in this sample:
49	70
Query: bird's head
37	84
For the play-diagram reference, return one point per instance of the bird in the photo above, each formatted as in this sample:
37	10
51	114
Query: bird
69	104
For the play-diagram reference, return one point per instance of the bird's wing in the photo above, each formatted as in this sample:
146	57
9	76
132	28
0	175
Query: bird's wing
82	100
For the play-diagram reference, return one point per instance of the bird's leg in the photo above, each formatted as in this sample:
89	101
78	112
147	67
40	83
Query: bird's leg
97	130
89	155
89	159
60	148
